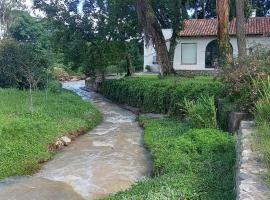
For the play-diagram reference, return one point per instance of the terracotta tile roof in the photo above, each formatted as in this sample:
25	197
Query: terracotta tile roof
208	27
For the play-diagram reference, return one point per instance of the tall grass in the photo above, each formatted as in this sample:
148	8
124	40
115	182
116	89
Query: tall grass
262	117
201	113
24	137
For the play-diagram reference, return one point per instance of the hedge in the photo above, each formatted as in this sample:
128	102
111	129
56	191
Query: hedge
151	94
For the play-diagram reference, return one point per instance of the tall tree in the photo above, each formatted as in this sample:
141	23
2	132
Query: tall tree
6	8
223	31
240	28
153	33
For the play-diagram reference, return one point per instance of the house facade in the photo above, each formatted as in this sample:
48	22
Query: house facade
197	48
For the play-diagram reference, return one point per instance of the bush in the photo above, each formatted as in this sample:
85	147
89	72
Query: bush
239	81
22	65
151	94
55	87
201	113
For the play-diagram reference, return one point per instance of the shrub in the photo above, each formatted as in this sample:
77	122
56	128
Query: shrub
239	81
55	87
151	94
60	73
22	65
202	112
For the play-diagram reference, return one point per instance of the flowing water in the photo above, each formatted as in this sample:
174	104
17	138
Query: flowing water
104	161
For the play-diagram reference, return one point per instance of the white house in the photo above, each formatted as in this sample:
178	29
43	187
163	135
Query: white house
197	47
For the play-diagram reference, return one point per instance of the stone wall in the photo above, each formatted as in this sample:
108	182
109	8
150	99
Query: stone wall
249	175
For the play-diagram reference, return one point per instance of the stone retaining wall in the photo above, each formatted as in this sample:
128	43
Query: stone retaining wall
249	175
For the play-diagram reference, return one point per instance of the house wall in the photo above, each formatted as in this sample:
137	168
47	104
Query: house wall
201	49
149	52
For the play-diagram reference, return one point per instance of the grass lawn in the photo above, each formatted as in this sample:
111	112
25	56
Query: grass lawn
188	163
25	137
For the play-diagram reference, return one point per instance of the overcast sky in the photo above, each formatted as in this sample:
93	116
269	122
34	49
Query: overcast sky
29	3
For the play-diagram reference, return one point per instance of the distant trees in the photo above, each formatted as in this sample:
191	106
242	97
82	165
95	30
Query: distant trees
24	52
262	7
98	37
6	9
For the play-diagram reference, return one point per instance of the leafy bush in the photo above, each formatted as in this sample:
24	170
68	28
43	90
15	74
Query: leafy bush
188	163
59	72
201	113
151	94
55	87
240	87
22	65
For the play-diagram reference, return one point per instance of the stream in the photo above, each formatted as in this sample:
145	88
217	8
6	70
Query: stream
106	160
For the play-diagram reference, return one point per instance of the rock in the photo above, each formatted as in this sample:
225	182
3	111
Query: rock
58	144
66	140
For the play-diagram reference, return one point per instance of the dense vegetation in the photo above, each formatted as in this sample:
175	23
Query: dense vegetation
25	137
188	163
168	95
262	117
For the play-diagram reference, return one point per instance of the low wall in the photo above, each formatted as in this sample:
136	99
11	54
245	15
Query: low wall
249	175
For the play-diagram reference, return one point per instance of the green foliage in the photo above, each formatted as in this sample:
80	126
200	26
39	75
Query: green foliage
239	81
160	95
55	87
188	163
262	117
25	137
201	113
21	65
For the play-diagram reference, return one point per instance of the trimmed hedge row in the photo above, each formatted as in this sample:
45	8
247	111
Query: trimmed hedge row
151	94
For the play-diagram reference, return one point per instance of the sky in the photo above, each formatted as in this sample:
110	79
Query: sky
29	3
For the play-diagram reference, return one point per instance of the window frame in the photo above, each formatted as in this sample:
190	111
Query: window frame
196	62
155	61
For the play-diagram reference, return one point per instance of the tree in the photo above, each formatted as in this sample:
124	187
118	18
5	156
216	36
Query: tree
223	31
262	7
153	33
6	9
240	28
88	38
22	66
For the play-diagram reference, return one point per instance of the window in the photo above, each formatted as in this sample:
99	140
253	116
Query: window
155	60
189	53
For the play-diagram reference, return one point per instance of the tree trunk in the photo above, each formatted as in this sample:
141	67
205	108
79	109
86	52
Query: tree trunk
31	98
166	66
223	31
240	28
129	65
152	32
173	44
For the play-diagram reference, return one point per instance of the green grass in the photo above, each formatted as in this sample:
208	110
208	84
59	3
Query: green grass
262	118
25	137
151	94
188	163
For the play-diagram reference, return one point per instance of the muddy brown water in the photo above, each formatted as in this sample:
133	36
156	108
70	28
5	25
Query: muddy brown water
106	160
